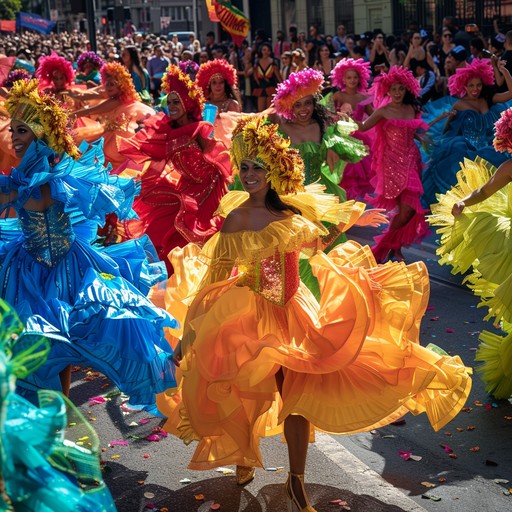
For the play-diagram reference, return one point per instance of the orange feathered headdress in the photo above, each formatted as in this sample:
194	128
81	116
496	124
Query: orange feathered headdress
123	80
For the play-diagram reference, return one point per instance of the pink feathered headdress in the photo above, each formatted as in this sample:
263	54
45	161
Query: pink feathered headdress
503	137
396	74
51	63
307	82
361	67
216	67
479	68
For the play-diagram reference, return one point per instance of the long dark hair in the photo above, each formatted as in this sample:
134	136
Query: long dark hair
410	99
274	202
323	116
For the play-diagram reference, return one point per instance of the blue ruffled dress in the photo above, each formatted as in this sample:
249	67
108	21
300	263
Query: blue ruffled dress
89	301
470	135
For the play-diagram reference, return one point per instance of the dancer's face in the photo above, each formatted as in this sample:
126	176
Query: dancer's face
351	79
474	88
217	85
21	136
112	88
176	109
397	93
303	109
59	80
252	177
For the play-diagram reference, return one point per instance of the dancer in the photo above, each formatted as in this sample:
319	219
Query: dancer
324	143
184	172
266	75
89	65
54	276
473	219
396	161
254	332
30	479
116	118
469	127
218	81
57	77
351	78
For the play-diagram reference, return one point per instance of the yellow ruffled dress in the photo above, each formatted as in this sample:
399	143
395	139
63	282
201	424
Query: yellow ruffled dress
480	239
351	362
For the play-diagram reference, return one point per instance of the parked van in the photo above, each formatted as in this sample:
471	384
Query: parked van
183	37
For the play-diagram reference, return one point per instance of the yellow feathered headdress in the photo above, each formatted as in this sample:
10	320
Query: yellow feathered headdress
255	139
43	115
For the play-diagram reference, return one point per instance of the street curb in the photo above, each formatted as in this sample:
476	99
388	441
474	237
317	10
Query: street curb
362	479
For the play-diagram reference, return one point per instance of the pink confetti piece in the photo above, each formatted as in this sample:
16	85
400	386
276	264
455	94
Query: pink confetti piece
434	319
153	438
96	400
449	330
144	421
404	455
446	448
118	443
430	308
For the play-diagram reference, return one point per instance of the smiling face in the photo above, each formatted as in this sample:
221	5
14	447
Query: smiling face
177	112
397	93
474	88
21	136
303	109
252	176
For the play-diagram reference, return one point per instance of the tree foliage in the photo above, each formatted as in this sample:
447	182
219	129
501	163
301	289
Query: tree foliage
9	8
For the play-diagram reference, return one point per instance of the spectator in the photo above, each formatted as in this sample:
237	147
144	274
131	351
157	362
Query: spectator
287	65
340	39
157	65
313	42
281	45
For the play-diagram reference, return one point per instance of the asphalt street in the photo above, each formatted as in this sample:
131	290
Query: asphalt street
466	466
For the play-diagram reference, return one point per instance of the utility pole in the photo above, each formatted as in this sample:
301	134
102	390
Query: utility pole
91	23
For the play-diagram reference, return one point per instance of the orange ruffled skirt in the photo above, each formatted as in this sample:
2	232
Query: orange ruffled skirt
351	363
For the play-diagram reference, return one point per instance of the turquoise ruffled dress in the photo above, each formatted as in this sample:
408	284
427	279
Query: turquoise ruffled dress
89	301
49	454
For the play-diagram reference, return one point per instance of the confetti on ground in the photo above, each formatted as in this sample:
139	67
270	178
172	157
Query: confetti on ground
431	497
441	479
434	319
470	428
343	504
118	443
149	495
215	506
225	471
446	448
404	454
474	449
416	458
428	484
449	330
96	400
500	481
199	497
185	481
146	456
116	456
278	468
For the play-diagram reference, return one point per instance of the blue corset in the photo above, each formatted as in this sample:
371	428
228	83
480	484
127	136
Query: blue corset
48	234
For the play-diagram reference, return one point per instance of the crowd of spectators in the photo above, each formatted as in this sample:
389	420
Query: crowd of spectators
432	56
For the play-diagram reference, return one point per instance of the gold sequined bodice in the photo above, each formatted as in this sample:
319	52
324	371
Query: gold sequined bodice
275	278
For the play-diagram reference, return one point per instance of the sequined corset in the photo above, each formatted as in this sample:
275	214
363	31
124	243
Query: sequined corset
275	278
49	234
312	161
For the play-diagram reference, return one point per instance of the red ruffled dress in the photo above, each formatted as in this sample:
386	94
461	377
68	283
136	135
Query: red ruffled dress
397	166
184	175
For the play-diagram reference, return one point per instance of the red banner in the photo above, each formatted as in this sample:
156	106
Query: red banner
8	25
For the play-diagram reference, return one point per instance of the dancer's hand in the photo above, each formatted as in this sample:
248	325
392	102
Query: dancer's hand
176	355
332	159
458	208
374	218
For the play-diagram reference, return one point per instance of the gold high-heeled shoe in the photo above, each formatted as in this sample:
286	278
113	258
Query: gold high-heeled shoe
244	474
293	502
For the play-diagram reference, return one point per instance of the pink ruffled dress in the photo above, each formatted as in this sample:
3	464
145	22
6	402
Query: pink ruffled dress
397	166
357	176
